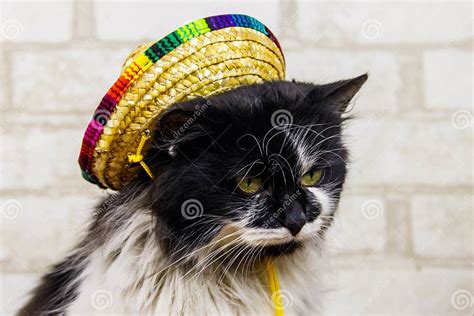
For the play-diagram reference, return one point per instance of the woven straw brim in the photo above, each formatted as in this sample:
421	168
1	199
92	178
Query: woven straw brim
207	64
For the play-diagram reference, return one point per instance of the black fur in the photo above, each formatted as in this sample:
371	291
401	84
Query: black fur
218	143
199	148
56	290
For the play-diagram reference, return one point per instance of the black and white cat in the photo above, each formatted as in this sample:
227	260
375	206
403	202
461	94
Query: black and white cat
243	176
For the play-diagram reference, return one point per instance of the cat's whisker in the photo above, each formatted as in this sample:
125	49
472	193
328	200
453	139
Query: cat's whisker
191	254
248	256
247	165
287	164
257	142
236	256
287	129
227	251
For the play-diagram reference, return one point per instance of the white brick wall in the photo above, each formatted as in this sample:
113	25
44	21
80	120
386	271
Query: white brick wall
406	290
403	240
41	230
34	158
3	79
326	65
448	76
36	21
77	66
407	150
442	226
158	18
360	226
373	23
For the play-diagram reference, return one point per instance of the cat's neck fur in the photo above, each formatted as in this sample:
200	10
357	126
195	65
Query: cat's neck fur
129	274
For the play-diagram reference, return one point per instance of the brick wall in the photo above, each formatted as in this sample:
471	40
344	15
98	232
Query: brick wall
403	241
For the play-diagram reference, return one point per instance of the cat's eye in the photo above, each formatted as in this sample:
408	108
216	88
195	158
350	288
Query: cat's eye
249	185
311	178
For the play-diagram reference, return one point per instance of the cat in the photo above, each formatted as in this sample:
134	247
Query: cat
241	177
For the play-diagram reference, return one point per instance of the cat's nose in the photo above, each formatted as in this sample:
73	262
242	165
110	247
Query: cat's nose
295	218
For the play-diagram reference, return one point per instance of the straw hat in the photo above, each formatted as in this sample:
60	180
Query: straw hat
201	58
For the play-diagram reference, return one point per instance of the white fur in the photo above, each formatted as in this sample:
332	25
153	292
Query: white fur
138	281
327	209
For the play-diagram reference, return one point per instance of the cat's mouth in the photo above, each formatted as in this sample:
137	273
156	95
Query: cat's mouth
274	240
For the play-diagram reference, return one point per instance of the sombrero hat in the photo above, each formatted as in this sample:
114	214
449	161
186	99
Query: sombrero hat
204	57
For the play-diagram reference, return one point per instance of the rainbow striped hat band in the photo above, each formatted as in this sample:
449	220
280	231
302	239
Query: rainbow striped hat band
204	57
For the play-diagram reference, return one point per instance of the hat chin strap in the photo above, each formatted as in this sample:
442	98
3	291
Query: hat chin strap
138	157
275	291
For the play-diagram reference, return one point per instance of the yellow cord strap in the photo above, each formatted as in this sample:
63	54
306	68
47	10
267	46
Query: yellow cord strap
138	157
275	289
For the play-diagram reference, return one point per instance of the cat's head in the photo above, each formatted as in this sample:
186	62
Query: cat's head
259	168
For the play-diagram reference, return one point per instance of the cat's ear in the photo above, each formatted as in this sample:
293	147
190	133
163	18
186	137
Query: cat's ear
340	93
182	122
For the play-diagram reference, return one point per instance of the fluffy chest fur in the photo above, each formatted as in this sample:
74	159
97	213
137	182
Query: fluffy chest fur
128	275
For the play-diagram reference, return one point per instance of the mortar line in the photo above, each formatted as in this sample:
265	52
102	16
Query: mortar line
464	45
288	13
83	21
6	73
